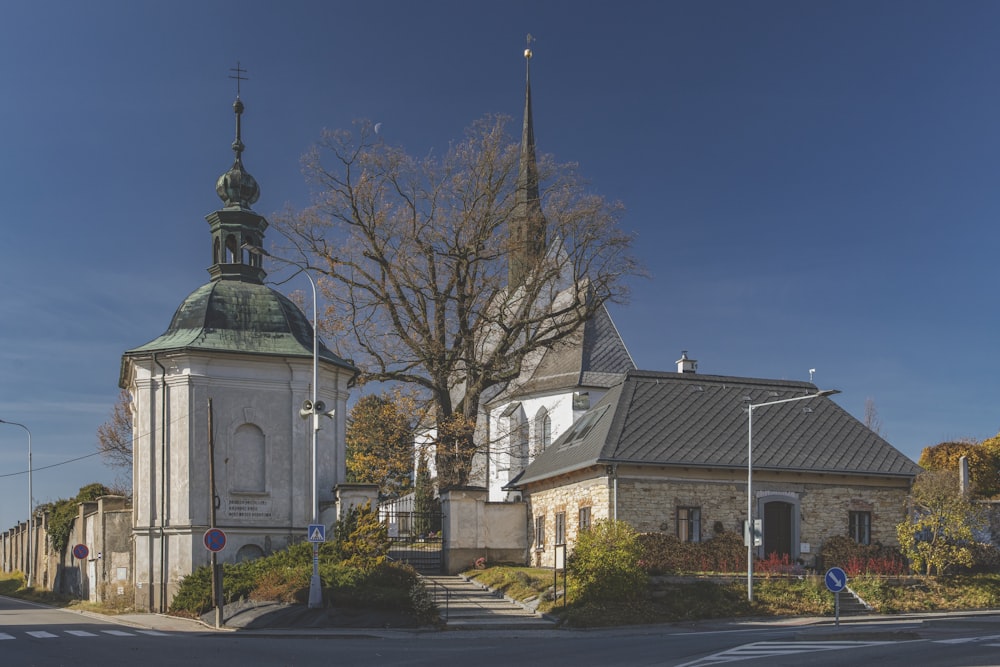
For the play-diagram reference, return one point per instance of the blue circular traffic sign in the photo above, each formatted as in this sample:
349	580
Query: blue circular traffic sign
80	552
215	539
836	579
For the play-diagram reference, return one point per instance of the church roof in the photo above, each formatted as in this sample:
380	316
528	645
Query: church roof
692	420
236	312
595	357
232	316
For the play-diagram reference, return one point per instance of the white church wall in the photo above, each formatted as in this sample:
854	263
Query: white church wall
263	466
504	464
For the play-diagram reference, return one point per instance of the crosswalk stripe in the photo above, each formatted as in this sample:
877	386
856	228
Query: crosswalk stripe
41	634
4	635
764	649
153	633
967	640
118	633
80	633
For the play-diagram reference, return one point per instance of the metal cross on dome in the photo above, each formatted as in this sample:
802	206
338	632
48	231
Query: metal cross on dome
239	76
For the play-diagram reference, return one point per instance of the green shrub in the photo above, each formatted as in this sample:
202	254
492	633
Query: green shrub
194	595
362	540
605	566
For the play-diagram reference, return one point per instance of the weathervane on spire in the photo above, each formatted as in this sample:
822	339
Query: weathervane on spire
239	72
527	51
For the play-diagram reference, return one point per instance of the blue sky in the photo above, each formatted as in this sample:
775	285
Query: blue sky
811	184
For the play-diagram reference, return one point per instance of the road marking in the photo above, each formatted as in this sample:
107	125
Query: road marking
967	640
42	634
764	649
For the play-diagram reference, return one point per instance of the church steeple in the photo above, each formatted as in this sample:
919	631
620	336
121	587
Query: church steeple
528	223
236	225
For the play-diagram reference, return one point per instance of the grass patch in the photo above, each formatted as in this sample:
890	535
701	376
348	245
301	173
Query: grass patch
12	585
665	601
916	594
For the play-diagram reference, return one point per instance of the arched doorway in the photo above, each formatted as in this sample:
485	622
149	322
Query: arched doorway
779	529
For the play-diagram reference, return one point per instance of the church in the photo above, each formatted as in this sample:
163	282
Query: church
216	401
582	435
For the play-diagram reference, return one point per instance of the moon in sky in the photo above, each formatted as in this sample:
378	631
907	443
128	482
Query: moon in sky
378	127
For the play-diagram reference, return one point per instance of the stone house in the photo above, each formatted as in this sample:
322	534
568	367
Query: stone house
667	452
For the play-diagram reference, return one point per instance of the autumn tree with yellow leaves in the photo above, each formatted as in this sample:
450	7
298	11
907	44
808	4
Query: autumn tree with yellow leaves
380	443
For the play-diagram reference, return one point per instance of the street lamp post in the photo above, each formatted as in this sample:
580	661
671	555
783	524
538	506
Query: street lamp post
31	504
314	409
750	533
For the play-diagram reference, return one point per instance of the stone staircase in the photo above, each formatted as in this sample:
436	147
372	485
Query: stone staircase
851	604
466	605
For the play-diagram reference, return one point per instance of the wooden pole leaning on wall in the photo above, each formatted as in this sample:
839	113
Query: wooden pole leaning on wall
217	595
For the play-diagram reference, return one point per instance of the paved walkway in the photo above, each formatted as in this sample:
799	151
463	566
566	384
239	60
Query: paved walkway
467	605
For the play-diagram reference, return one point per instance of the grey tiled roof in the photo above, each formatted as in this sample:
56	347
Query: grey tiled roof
676	419
595	357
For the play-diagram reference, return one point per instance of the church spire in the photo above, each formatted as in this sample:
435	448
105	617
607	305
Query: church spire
237	187
236	225
528	223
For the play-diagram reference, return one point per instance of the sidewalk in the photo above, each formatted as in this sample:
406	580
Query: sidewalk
296	620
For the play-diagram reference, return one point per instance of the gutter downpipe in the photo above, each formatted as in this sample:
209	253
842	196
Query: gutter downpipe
163	478
613	472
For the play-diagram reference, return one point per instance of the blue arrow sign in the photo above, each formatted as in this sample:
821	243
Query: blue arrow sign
317	532
836	579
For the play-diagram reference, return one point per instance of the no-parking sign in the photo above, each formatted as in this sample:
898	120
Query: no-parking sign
215	539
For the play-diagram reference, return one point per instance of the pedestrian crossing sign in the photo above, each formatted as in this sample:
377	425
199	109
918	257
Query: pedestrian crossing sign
317	532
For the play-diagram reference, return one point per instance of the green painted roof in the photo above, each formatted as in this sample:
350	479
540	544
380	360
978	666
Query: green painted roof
234	316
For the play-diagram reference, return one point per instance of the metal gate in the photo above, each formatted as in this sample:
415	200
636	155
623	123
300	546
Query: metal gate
415	538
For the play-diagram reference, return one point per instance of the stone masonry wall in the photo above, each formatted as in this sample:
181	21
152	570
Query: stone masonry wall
648	500
567	499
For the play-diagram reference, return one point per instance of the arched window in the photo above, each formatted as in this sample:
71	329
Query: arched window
232	251
248	471
249	552
543	430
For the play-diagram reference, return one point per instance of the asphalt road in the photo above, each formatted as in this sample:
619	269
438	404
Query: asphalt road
46	637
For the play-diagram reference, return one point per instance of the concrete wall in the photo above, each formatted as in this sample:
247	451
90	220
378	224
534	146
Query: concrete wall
474	528
105	527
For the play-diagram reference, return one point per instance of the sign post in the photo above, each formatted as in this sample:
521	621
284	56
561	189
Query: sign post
836	581
215	541
316	535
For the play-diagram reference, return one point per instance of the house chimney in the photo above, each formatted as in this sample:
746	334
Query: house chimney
685	365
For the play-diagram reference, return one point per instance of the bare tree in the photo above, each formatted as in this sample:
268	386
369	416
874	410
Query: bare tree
872	420
416	254
114	437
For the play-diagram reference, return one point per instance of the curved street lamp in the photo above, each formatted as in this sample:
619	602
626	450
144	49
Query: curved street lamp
31	503
315	408
750	533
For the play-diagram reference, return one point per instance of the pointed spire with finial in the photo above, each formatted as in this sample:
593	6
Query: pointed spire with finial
236	226
237	187
528	224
